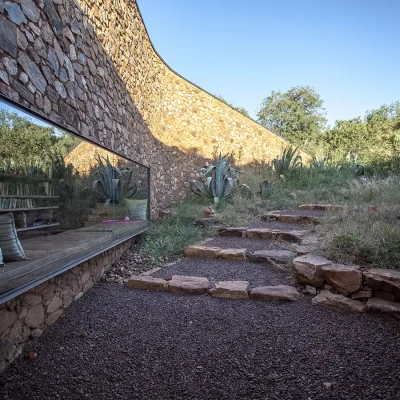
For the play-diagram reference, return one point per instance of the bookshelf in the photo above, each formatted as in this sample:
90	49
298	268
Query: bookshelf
31	199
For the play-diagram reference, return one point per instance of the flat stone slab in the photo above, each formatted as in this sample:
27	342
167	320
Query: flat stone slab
338	302
283	217
233	254
150	271
188	285
385	280
263	256
279	292
275	234
148	283
237	231
302	250
382	306
345	279
362	294
308	269
201	251
231	290
321	207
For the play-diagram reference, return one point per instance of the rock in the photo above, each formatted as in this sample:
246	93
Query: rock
188	285
11	65
24	91
36	333
15	331
275	234
265	256
362	294
233	231
30	10
70	69
35	317
15	13
343	278
8	36
53	17
23	77
7	319
6	347
33	72
78	296
60	89
386	280
201	251
53	60
54	305
153	270
279	292
310	290
22	41
231	290
209	211
233	254
338	302
31	299
53	317
308	269
75	27
384	295
4	77
375	305
148	283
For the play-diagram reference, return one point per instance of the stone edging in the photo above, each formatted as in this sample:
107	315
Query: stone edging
180	284
349	287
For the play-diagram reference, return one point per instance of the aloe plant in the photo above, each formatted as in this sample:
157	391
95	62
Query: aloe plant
288	162
112	184
218	181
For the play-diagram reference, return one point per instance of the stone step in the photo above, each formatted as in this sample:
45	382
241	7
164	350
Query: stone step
281	216
236	231
278	256
338	302
321	207
180	284
275	234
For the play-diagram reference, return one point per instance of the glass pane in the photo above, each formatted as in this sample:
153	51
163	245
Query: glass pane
68	197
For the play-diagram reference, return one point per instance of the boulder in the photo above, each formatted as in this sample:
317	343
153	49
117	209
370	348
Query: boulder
35	317
343	278
231	290
264	256
279	292
148	283
362	294
188	285
375	305
338	302
201	251
385	280
308	269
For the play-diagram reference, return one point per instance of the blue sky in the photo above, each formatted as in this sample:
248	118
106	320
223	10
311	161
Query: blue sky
348	50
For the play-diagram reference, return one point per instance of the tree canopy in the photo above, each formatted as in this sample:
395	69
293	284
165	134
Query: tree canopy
297	114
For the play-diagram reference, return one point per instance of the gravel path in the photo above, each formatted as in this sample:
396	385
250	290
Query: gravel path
159	346
221	270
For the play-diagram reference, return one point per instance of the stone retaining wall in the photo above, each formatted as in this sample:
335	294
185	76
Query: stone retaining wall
26	316
90	67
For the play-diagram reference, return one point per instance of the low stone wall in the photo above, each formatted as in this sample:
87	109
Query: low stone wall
28	315
349	287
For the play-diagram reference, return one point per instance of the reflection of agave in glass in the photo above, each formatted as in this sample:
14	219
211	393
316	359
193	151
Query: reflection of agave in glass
112	184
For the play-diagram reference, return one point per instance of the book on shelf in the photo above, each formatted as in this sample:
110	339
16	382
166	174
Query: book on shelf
12	202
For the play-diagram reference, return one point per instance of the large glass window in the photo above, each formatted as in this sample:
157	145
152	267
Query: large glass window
66	198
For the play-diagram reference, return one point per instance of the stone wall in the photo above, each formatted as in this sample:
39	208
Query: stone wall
26	316
92	69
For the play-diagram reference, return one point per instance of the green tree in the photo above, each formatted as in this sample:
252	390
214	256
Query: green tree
297	115
242	110
346	140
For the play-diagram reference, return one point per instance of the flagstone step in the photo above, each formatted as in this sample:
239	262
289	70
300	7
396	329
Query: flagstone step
280	256
321	207
264	233
284	216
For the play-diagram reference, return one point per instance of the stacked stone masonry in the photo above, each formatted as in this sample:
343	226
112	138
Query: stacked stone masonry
26	316
90	67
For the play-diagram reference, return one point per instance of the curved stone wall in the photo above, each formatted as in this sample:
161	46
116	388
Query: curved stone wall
93	70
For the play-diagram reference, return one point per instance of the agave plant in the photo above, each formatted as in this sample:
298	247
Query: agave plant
218	181
112	184
288	162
